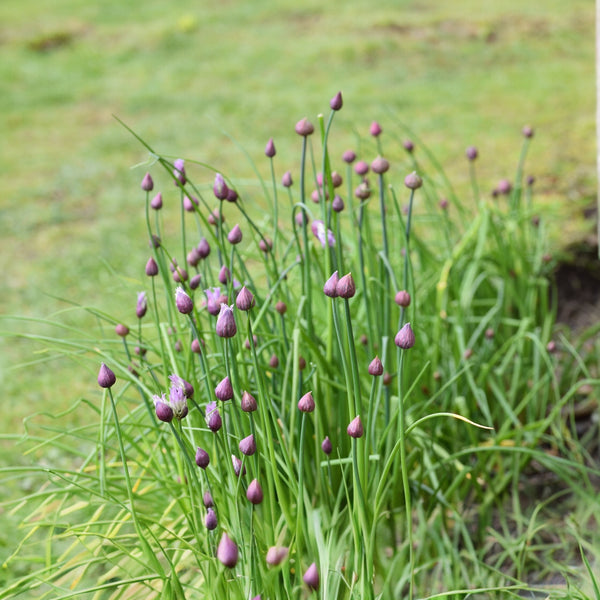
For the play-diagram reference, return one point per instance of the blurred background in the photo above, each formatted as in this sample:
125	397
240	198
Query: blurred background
202	80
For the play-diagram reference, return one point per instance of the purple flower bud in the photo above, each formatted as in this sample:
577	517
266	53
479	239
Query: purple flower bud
402	298
237	466
248	402
195	281
226	327
337	204
318	229
270	148
183	302
151	268
408	145
355	429
380	165
193	257
444	203
363	191
163	411
306	404
147	183
274	361
214	299
224	275
157	202
178	402
265	244
361	168
196	346
330	287
207	500
413	181
235	235
345	287
254	492
227	551
203	248
375	129
232	195
376	367
336	102
326	446
336	179
276	555
190	203
311	577
154	241
224	389
248	445
122	330
471	153
142	305
179	171
281	307
304	127
349	156
504	186
530	180
220	188
405	338
215	217
210	521
245	299
202	458
106	378
528	131
213	417
286	180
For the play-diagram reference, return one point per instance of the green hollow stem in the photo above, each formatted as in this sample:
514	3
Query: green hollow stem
306	280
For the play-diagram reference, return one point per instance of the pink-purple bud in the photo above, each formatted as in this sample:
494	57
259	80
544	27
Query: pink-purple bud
402	298
183	302
346	287
528	131
304	127
203	248
330	287
375	129
210	521
213	417
164	412
122	330
190	203
141	305
227	551
336	102
327	446
238	468
265	244
224	275
286	180
248	402
220	188
232	195
248	445
226	327
207	500
235	235
349	156
471	153
179	171
311	577
157	202
413	181
254	492
306	404
337	204
281	307
376	367
202	458
380	165
147	183
355	429
151	268
270	148
504	186
224	389
408	145
405	338
106	378
245	299
276	555
361	168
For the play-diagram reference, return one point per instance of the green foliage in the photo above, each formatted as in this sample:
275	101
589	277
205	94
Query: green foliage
467	442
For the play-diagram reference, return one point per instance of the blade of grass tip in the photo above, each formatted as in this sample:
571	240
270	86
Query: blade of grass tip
595	583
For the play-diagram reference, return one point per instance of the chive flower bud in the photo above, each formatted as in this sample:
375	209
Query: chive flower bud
122	330
337	204
202	458
248	402
235	235
361	168
248	445
245	299
355	429
528	131
151	268
281	307
276	555
164	412
304	127
237	466
336	102
224	389
349	156
227	551
220	188
232	195
213	417
408	145
141	305
106	378
413	181
210	521
147	183
311	577
254	492
203	248
326	446
330	287
380	165
286	180
306	404
183	302
471	153
224	275
504	187
376	367
265	244
402	298
207	500
226	327
405	338
375	129
178	402
274	361
346	287
270	151
157	202
179	171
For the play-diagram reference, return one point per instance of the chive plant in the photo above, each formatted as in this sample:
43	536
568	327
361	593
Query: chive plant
317	392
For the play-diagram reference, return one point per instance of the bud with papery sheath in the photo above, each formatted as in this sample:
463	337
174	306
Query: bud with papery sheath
183	302
345	287
326	446
248	402
402	298
245	299
227	551
304	127
210	521
213	417
330	287
306	404
147	183
336	102
355	429
248	445
121	330
157	202
235	235
375	129
106	378
376	367
202	458
270	148
380	165
276	555
220	188
151	268
224	389
226	327
405	338
311	577
254	492
413	181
